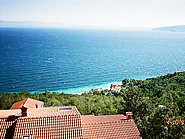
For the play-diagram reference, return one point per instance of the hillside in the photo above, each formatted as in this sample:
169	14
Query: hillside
157	104
158	86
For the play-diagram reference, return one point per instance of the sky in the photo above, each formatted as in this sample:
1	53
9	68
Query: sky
97	13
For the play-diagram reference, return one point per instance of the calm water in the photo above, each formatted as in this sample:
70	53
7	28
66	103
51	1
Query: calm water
77	60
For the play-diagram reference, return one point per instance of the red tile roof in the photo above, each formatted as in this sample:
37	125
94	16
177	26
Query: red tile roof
66	126
29	103
53	122
43	112
18	105
109	126
64	122
91	119
7	113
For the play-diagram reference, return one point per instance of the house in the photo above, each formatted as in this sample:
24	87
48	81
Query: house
116	87
29	103
64	122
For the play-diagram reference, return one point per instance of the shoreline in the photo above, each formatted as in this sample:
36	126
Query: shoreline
74	91
80	90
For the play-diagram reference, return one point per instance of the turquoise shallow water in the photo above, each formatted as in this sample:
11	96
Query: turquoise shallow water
73	61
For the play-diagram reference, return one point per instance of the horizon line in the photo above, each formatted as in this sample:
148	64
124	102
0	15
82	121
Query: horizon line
31	24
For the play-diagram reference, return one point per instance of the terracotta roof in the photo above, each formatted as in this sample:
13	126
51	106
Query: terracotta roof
42	112
109	126
18	105
89	119
7	113
29	103
53	122
63	122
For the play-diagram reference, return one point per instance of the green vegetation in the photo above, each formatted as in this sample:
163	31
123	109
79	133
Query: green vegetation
157	104
86	103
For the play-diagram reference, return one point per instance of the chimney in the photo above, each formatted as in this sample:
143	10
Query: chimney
24	111
129	115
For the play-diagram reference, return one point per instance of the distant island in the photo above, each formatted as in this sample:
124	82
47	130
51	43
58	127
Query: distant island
180	28
28	24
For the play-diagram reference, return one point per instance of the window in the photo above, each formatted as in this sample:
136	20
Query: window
36	105
26	137
65	108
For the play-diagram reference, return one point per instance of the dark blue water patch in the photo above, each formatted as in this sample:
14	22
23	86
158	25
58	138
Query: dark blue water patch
61	59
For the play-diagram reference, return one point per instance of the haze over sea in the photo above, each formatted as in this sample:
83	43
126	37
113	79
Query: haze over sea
74	60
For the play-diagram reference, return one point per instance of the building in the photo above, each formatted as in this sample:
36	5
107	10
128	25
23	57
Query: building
63	122
116	87
29	103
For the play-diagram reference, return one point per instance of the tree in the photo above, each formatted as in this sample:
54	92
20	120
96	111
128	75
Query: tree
125	81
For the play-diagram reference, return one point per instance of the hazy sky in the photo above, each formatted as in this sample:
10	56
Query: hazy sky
115	13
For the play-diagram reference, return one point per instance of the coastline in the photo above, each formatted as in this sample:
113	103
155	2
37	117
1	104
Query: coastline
80	90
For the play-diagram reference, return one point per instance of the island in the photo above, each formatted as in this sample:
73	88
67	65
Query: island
179	28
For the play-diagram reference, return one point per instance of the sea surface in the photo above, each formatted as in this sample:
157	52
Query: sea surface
74	60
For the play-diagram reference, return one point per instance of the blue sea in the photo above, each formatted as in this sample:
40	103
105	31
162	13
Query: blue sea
77	60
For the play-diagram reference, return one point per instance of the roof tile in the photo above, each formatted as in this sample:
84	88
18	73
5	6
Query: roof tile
109	126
